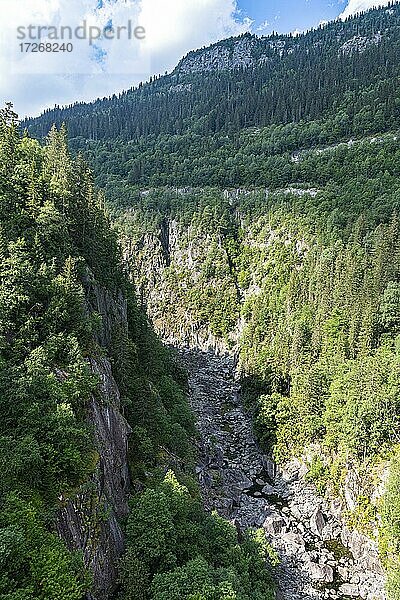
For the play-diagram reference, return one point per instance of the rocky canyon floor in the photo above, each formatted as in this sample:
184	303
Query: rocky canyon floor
319	556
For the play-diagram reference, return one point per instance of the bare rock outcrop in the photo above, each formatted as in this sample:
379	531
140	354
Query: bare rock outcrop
320	557
90	520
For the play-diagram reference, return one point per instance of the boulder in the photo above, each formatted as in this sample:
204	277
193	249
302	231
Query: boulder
274	524
268	490
296	512
269	466
323	573
349	589
317	522
343	573
293	541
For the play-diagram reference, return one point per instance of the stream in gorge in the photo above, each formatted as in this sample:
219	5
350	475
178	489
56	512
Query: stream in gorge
319	556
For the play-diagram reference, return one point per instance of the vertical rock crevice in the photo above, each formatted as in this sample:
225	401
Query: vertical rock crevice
90	521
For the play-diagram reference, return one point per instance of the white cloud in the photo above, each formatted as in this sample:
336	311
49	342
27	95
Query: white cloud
173	27
264	28
356	6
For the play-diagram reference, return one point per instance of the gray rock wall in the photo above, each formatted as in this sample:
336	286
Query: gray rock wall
91	520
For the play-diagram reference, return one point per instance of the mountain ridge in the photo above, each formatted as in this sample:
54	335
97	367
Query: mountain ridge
278	79
236	241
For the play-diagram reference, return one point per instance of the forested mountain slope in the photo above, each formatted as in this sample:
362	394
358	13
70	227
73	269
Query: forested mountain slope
93	410
302	285
225	111
256	192
252	82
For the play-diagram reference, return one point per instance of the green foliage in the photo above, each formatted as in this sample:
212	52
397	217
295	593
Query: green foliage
308	270
152	393
265	423
236	127
34	562
313	276
193	580
390	531
318	473
364	403
58	254
46	447
390	309
176	550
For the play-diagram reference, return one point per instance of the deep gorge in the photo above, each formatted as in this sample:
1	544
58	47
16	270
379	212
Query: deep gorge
200	330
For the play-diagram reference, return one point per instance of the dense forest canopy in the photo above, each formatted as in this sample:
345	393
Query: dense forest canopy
304	284
243	123
56	244
303	261
284	79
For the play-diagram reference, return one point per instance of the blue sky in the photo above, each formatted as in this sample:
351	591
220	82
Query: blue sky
289	15
34	82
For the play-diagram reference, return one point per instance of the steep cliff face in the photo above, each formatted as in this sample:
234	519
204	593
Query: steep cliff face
220	57
91	520
214	278
195	271
171	265
251	51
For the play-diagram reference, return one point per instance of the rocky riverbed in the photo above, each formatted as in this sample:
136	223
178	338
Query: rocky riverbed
319	556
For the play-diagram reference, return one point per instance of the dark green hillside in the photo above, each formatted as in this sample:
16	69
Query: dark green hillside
283	79
304	282
233	114
57	249
256	190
